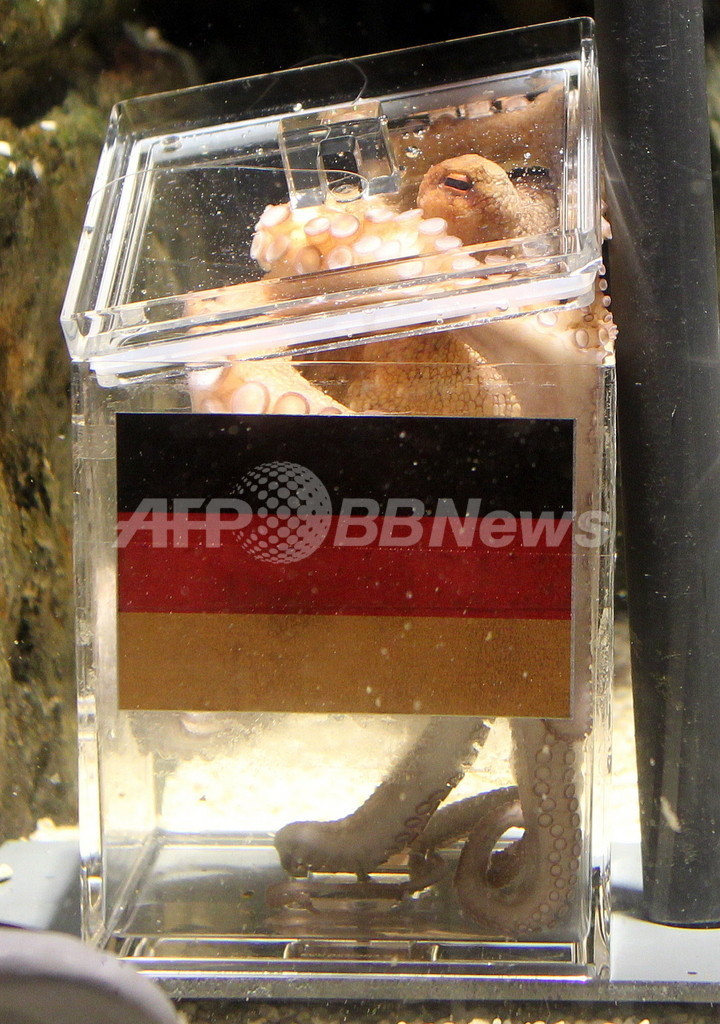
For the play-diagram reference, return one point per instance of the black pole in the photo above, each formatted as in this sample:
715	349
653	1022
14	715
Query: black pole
664	287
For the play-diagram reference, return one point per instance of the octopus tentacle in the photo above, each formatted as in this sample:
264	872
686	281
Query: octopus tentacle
539	881
395	813
263	386
536	886
538	890
288	242
430	375
451	823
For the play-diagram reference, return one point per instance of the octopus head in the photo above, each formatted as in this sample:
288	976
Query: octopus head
481	202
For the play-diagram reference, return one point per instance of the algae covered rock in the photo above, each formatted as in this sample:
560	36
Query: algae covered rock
46	173
48	47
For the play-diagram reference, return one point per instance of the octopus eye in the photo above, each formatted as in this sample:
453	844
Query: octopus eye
534	173
458	182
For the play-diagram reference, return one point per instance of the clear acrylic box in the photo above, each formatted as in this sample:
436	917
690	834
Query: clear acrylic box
343	409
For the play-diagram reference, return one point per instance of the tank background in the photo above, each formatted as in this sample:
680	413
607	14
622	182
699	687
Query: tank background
63	63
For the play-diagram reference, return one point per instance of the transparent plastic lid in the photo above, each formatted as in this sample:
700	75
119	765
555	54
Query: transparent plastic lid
356	196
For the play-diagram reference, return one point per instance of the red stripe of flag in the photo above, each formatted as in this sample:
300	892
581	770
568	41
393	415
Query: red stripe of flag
530	579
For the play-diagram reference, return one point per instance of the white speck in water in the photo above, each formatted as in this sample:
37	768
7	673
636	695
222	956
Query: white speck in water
669	815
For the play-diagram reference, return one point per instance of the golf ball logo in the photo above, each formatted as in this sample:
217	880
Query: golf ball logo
291	512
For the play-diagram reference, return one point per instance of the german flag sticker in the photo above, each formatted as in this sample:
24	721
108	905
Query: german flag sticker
365	564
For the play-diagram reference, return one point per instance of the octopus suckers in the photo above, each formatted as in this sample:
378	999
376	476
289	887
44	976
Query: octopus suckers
274	215
327	238
433	226
205	379
252	397
548	319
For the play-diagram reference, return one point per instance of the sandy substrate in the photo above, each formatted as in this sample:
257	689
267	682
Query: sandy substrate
495	1013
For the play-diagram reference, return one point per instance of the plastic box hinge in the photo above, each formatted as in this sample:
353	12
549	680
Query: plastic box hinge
358	134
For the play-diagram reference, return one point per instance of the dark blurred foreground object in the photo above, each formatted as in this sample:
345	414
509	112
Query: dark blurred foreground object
664	288
46	977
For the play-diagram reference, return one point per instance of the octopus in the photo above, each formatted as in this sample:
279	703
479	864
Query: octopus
507	889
